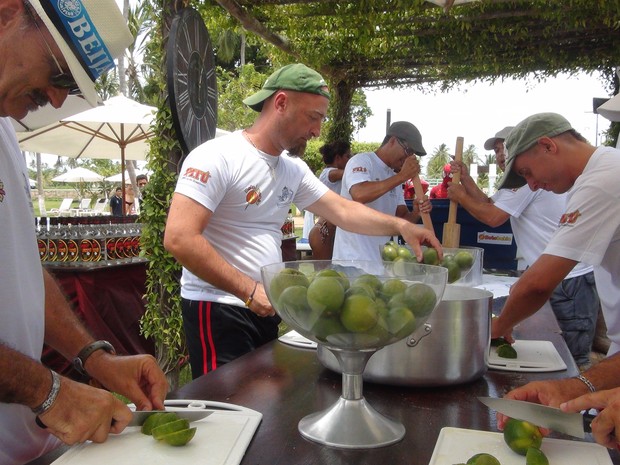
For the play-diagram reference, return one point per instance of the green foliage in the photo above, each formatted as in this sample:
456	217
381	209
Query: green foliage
232	89
314	159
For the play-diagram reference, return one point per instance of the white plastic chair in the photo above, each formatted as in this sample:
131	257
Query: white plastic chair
99	208
64	208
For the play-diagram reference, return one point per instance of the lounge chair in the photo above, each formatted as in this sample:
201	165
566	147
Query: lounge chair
99	208
63	209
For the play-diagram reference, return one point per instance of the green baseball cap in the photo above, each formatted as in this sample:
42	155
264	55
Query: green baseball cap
524	136
296	77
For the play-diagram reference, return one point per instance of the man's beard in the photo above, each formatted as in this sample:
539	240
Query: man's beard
297	150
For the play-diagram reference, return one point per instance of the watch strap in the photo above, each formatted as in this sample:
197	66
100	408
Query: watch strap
80	360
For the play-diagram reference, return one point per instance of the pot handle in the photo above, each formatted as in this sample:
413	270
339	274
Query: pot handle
413	341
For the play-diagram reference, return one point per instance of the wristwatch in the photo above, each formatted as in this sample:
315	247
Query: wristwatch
80	360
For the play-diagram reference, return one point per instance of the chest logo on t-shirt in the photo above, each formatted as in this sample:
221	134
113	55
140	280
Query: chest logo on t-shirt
197	175
253	196
2	191
568	219
285	198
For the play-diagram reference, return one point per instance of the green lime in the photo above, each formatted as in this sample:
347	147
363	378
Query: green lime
371	280
294	302
170	427
363	289
464	259
447	258
506	351
358	313
156	419
325	294
326	326
421	299
431	257
389	252
483	459
404	252
286	278
520	435
498	341
400	322
454	271
179	438
535	456
391	287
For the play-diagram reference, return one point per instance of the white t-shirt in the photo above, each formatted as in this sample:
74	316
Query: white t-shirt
364	167
333	185
534	217
590	232
22	297
249	193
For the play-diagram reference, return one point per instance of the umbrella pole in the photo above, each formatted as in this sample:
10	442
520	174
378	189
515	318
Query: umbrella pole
122	145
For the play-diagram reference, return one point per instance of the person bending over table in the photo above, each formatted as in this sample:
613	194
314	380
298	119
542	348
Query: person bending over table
232	196
545	152
38	407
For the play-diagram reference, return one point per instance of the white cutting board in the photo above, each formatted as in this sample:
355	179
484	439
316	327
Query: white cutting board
457	445
532	356
220	439
293	338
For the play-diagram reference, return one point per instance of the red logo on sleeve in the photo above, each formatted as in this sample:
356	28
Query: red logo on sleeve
359	169
196	174
569	218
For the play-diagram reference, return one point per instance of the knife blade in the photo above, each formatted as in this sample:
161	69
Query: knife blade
190	415
573	424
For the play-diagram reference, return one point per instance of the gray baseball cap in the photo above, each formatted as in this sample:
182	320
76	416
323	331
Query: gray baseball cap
409	133
524	136
501	135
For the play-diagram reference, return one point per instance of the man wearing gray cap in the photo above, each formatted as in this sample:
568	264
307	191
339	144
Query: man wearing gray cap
48	50
534	217
545	152
376	179
232	197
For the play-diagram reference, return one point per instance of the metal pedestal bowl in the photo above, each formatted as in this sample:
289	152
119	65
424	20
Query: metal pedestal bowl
353	308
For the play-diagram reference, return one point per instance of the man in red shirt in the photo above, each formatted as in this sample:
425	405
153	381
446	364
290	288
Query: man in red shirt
440	191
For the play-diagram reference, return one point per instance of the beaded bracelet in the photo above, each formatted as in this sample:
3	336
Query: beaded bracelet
251	298
587	382
51	397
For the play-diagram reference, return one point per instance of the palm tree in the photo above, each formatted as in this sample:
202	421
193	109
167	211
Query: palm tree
438	159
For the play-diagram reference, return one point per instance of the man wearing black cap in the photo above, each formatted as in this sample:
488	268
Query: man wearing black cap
49	50
233	195
376	179
545	152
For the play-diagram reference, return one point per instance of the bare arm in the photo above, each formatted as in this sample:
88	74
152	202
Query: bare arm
366	192
468	182
484	211
530	292
358	218
335	174
184	240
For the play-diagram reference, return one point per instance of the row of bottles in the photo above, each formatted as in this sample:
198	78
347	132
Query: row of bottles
84	241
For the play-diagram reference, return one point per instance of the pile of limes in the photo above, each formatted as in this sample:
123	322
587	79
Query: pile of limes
169	428
361	311
457	264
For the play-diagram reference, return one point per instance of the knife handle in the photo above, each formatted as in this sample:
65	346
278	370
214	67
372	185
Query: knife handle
587	420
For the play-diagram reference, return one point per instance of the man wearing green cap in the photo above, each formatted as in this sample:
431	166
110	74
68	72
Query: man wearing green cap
233	195
545	152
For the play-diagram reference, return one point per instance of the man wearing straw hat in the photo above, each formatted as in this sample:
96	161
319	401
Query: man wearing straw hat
48	50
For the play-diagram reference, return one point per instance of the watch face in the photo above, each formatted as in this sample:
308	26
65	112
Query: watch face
192	84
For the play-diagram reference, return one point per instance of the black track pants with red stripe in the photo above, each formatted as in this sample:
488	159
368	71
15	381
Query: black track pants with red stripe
218	333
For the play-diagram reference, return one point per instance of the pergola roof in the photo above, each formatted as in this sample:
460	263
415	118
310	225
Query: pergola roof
377	43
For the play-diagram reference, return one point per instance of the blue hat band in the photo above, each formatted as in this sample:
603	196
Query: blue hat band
74	24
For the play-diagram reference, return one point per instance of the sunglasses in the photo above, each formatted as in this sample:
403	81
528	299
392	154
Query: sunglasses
408	150
62	80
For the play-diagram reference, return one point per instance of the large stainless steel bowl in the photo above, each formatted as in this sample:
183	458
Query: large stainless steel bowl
453	351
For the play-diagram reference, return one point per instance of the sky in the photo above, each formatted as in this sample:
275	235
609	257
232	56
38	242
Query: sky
477	111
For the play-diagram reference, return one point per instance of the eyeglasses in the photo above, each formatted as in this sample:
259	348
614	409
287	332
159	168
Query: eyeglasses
408	150
61	80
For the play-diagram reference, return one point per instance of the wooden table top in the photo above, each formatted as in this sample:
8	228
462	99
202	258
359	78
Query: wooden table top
286	383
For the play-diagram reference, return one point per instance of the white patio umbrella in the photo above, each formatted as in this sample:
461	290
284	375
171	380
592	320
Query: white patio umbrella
610	109
79	175
119	177
120	128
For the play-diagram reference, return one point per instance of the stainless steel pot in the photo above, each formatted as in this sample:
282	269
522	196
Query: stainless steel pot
452	348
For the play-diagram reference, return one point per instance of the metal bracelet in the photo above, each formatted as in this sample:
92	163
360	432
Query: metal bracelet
51	397
251	298
587	382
